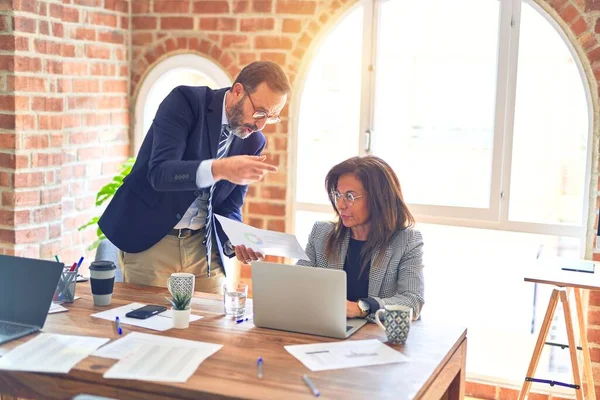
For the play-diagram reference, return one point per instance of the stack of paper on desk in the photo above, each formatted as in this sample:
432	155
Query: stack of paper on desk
159	322
347	354
49	352
156	358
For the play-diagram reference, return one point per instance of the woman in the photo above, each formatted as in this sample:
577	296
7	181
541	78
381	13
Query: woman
372	240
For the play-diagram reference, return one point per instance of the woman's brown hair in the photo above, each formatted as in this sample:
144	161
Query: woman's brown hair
388	212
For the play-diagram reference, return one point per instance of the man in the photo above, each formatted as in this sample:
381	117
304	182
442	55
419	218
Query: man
197	159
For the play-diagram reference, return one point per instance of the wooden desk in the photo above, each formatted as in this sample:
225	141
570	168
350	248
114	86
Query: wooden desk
565	281
437	365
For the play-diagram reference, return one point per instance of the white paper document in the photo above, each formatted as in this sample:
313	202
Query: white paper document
165	360
56	308
347	354
158	322
50	352
261	240
129	344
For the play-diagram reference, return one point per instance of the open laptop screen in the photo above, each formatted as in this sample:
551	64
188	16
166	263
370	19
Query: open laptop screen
26	289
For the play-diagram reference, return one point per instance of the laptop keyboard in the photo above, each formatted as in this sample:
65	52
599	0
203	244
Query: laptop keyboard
348	327
7	329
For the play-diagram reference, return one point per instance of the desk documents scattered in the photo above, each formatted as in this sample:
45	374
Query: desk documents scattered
56	308
160	322
49	352
217	358
160	362
347	354
129	344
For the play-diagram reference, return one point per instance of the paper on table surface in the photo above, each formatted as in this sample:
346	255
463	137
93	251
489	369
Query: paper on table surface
56	308
158	322
49	352
155	361
123	347
261	240
347	354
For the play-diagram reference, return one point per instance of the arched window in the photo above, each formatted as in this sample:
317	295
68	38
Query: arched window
329	117
181	69
487	122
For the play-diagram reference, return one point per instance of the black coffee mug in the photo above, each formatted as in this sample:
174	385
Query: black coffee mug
102	280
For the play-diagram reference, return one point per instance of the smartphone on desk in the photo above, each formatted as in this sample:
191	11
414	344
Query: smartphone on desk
146	312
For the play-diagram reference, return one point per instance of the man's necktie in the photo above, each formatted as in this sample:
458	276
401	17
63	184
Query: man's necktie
210	220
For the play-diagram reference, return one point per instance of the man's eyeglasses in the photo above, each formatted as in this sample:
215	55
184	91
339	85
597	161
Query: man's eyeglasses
262	114
349	197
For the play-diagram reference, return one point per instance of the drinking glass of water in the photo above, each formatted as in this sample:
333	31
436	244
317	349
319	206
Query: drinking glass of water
234	299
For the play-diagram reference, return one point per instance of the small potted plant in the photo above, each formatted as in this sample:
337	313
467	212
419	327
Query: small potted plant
181	310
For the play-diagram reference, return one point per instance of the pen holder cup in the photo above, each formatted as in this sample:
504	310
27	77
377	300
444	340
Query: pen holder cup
65	290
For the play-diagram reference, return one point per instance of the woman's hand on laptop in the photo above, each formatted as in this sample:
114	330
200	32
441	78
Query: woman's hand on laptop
246	255
352	310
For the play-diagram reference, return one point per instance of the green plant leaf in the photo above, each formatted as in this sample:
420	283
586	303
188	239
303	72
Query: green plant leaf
91	222
105	193
180	301
97	242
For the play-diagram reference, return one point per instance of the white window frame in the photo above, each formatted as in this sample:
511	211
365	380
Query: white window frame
496	216
185	61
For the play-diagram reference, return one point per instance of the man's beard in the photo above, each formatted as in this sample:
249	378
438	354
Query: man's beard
235	118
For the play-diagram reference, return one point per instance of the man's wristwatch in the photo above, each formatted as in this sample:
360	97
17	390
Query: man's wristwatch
364	307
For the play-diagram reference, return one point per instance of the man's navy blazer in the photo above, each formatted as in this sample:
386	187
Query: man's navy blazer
162	183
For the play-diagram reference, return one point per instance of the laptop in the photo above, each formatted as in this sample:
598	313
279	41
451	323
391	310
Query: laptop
301	299
26	290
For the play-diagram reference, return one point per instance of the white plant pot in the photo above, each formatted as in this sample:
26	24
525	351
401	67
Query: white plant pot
181	318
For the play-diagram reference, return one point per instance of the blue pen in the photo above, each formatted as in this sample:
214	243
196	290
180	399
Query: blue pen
259	364
311	386
79	264
118	322
243	319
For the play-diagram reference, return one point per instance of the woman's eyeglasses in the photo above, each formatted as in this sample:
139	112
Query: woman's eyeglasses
349	197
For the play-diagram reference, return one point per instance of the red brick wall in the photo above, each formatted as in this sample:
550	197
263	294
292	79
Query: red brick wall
64	119
7	127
